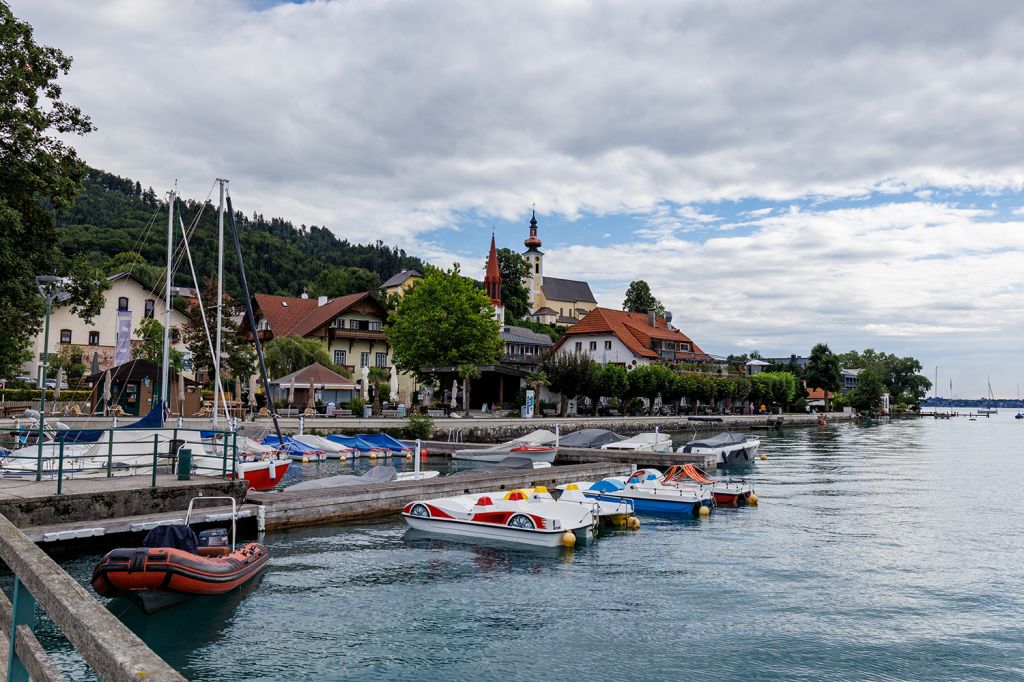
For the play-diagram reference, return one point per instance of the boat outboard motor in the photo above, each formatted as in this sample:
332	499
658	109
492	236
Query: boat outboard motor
172	536
213	542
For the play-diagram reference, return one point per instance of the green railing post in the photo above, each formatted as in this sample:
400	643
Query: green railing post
224	462
60	469
110	454
156	453
23	612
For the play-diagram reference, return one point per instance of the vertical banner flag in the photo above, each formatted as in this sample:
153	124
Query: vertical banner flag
529	403
123	349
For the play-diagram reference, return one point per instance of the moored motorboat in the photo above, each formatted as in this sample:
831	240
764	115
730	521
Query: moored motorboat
361	447
174	560
330	448
542	439
513	517
510	463
727	493
589	438
374	475
296	450
648	494
383	440
643	442
728	449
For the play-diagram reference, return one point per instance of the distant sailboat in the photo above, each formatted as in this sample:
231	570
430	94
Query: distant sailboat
989	409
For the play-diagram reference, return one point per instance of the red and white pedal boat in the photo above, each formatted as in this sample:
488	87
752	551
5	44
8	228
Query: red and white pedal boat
516	516
727	493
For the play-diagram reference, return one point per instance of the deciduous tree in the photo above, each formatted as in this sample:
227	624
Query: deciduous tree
39	174
639	299
823	371
443	321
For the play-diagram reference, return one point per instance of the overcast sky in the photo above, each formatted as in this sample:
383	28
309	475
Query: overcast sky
781	173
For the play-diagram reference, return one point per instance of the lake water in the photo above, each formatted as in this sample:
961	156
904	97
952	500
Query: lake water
891	551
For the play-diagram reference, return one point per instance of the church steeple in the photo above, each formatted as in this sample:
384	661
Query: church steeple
492	282
532	242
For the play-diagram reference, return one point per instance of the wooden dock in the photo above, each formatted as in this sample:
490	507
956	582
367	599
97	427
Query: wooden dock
349	503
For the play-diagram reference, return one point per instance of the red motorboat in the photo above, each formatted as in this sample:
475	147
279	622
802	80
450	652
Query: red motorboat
727	493
174	564
262	474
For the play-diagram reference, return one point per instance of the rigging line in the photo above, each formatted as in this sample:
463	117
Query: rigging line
202	313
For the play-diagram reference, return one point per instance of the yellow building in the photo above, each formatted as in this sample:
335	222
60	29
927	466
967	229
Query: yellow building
552	299
398	284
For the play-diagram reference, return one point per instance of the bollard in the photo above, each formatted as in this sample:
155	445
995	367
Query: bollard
60	469
184	464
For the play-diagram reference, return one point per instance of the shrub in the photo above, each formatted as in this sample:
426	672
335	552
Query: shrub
33	394
420	426
356	405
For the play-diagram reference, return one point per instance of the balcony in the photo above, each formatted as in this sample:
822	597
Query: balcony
519	359
361	334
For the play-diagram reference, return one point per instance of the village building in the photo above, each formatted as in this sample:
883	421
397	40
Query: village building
553	300
630	339
134	385
397	285
128	301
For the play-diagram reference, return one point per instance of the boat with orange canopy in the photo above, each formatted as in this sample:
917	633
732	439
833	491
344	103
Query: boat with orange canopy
727	493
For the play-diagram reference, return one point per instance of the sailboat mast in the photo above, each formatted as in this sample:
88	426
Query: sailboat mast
165	364
218	392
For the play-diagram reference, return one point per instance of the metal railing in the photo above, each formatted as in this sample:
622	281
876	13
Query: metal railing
112	650
114	452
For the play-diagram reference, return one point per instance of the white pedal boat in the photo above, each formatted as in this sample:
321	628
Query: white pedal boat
513	517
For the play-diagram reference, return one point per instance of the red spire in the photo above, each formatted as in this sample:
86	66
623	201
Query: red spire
492	280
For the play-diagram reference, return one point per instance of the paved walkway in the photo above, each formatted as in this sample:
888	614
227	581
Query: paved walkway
20	489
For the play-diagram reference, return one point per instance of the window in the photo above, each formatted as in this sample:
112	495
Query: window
65	336
536	267
364	359
375	327
150	305
339	357
263	325
353	324
94	338
607	345
382	359
685	346
122	303
593	345
579	346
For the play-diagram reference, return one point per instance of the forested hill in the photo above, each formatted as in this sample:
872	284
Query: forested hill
114	216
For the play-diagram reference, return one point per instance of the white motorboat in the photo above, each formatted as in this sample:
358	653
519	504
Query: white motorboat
513	517
538	446
643	442
729	449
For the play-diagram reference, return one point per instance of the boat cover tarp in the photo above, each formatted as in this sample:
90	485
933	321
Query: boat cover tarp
377	474
607	485
154	419
172	536
589	438
290	445
383	440
721	439
354	442
508	464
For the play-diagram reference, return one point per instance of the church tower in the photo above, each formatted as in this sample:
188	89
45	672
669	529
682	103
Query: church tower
492	283
534	257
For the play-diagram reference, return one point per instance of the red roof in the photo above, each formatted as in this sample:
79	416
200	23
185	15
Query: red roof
290	316
818	394
635	332
492	280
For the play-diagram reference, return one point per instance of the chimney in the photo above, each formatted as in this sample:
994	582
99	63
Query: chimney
652	317
668	318
321	301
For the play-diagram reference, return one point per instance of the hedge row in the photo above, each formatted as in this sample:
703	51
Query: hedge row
33	394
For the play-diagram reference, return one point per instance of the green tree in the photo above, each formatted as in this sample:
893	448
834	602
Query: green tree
514	294
651	381
823	371
70	360
287	354
569	375
443	321
334	282
238	357
607	381
39	175
867	395
151	345
639	299
135	263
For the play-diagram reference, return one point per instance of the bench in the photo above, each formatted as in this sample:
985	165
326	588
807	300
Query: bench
389	413
435	414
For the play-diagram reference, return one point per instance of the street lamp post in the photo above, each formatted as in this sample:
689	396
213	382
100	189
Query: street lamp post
48	288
